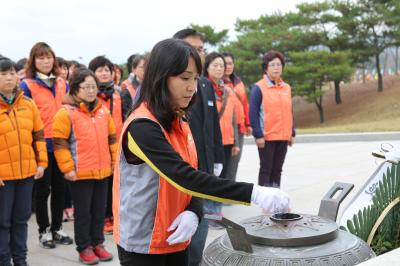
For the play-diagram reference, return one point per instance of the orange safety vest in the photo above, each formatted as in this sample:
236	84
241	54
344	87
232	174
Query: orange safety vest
242	95
226	120
47	103
127	85
116	112
240	112
277	108
90	131
171	201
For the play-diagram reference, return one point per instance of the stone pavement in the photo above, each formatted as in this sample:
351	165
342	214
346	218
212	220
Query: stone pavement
309	171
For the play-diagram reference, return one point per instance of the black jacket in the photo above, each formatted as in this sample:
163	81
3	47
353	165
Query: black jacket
204	124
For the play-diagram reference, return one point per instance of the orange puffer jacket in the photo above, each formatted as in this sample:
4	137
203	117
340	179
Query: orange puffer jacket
22	144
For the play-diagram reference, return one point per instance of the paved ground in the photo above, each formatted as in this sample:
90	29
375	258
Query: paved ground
309	171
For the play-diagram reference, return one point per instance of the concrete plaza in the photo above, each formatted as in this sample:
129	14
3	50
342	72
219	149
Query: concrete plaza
309	171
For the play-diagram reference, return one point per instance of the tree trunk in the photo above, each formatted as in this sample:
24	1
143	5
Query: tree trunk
320	109
378	71
338	98
396	61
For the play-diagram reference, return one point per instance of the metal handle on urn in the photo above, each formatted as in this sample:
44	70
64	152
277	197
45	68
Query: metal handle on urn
330	203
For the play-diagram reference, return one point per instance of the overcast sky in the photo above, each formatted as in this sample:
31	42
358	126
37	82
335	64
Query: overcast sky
83	29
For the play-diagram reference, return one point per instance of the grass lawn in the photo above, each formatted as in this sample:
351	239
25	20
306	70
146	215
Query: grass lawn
383	125
363	110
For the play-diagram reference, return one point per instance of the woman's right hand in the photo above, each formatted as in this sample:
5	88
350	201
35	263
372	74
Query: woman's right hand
71	176
271	199
2	183
260	142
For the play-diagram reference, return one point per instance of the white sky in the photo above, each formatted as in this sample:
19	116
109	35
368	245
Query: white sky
83	29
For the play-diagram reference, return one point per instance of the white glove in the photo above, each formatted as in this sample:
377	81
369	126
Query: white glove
186	225
271	199
217	169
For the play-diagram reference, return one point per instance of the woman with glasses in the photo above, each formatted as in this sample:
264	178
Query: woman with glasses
214	69
85	143
226	101
271	119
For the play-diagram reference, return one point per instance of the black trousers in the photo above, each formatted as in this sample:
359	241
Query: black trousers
89	198
15	210
53	184
272	157
137	259
109	197
227	161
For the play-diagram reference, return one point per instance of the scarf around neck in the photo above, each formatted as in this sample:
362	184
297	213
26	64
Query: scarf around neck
106	90
218	87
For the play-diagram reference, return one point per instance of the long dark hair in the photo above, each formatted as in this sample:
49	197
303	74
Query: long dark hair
233	77
168	58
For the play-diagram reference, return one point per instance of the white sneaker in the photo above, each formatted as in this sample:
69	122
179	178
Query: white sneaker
388	152
46	240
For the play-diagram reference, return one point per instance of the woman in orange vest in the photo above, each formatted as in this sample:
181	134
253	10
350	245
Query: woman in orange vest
227	107
237	86
47	91
84	145
271	119
155	173
135	65
117	75
111	98
23	158
214	68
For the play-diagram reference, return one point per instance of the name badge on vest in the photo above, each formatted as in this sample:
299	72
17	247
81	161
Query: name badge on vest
210	103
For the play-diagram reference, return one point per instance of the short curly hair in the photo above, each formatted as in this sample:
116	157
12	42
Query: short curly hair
271	55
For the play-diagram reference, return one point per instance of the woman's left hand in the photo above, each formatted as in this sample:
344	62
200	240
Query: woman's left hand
186	225
2	183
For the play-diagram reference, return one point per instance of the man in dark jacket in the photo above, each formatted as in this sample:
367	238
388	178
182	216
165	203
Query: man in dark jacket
204	124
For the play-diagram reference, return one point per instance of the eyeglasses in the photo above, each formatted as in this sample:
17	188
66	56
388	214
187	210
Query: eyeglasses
217	66
89	87
275	65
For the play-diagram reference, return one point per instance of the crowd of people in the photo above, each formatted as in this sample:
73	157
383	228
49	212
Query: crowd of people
135	158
